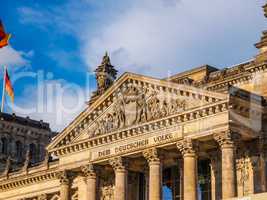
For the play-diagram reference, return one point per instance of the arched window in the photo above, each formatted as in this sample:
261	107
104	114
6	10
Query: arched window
19	149
4	145
32	149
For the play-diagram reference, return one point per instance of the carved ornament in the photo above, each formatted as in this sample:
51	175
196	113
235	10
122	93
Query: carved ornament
118	163
134	105
226	139
89	170
151	155
187	146
63	176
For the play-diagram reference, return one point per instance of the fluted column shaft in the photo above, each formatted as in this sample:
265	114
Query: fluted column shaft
90	176
91	186
214	175
64	186
121	184
155	180
226	142
228	172
155	176
190	168
119	165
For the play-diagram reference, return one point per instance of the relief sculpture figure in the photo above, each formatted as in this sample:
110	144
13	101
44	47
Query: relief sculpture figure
141	109
119	112
153	106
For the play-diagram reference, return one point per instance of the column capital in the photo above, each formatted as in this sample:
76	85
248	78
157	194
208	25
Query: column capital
89	171
187	147
42	197
63	177
226	139
151	155
119	163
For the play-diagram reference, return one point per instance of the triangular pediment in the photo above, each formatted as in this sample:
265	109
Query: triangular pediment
133	99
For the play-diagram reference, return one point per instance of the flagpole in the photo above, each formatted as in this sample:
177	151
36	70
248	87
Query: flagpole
3	91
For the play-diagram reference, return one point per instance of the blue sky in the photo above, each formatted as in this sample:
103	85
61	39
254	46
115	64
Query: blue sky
66	40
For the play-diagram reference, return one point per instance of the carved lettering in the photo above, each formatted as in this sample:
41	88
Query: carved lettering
104	153
131	146
163	138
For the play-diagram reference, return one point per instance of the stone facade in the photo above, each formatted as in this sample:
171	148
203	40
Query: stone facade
22	142
198	133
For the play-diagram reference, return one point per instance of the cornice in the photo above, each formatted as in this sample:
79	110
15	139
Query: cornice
247	75
25	180
163	123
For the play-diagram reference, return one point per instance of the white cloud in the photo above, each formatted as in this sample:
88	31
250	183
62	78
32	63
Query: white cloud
155	36
54	101
12	57
152	37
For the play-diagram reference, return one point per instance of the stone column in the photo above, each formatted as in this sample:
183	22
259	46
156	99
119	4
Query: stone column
90	176
155	176
226	142
64	185
146	175
263	160
119	165
181	185
187	148
214	175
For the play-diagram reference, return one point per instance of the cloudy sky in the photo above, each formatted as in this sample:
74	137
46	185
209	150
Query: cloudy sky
56	44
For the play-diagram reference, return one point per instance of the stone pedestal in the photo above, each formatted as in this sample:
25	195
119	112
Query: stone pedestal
119	165
155	174
187	148
226	142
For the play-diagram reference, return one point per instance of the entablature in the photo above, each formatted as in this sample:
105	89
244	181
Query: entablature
145	128
139	94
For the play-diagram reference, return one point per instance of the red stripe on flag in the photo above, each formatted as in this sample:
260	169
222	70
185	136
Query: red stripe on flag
8	87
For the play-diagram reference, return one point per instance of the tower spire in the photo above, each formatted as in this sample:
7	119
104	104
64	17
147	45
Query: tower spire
262	45
105	76
265	10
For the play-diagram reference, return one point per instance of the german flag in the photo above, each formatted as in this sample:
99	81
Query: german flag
4	37
8	86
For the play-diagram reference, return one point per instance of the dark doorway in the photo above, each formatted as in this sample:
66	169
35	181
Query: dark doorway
204	181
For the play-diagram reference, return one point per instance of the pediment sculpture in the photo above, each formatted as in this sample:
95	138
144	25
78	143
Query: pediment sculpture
135	105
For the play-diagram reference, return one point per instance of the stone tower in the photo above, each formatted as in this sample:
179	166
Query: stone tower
262	45
105	76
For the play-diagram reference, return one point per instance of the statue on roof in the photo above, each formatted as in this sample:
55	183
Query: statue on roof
105	76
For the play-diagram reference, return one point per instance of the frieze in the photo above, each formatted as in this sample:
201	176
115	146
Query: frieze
162	124
136	145
135	105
